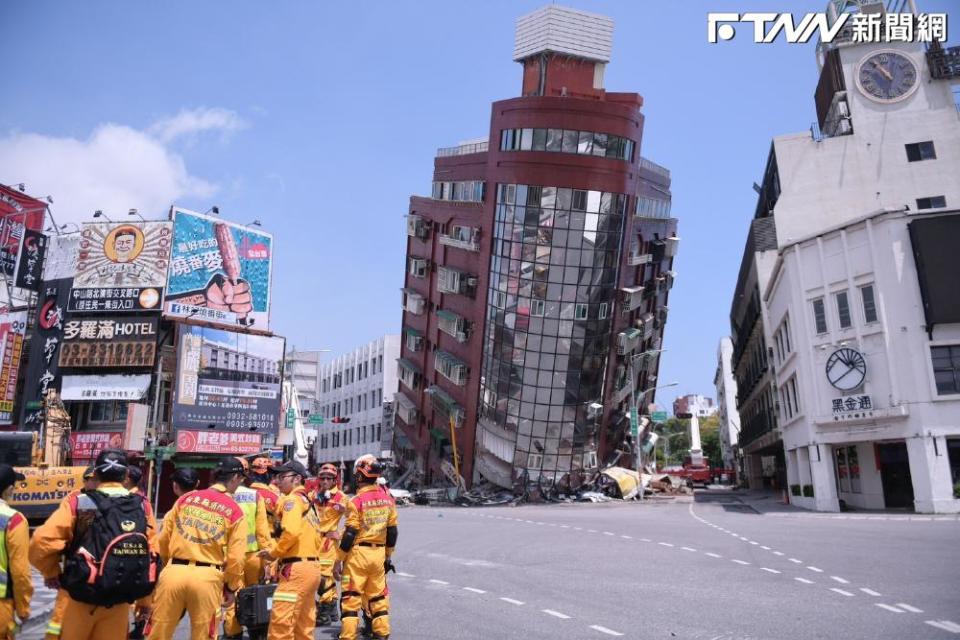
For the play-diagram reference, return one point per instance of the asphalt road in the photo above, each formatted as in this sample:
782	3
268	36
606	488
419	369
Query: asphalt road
706	569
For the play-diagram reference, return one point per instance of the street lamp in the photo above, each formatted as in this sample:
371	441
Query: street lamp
134	212
100	214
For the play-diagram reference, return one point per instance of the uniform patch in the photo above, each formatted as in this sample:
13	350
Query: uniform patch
288	506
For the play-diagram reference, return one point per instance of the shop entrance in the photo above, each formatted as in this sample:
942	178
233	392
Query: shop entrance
895	475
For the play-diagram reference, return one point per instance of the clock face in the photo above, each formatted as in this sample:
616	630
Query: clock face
846	369
887	76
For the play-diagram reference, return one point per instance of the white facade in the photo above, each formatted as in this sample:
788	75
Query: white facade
303	369
356	386
699	405
726	386
846	278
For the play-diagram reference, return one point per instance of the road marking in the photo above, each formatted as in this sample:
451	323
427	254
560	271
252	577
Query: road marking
946	625
740	561
607	533
689	549
405	575
804	580
869	592
512	601
591	530
474	590
840	580
564	526
714	555
795	561
778	553
744	539
665	544
438	581
815	569
609	632
887	607
909	608
765	547
769	570
578	529
841	592
752	542
627	537
645	540
555	614
529	521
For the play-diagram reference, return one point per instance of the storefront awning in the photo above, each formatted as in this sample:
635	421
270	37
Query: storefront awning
100	388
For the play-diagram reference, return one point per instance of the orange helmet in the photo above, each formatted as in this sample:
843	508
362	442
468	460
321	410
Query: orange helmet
367	468
328	469
261	465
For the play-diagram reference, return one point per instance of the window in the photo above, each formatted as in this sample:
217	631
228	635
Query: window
921	151
538	308
946	368
933	202
603	311
580	312
820	316
843	310
869	305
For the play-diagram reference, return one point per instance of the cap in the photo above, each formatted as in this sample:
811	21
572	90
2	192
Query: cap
228	465
8	476
89	473
292	467
328	469
186	477
261	465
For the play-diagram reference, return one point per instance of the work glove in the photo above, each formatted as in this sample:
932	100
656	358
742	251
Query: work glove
388	566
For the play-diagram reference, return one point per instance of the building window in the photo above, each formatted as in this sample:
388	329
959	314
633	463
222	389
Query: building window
933	202
538	308
580	312
921	151
869	304
946	368
843	310
820	316
603	311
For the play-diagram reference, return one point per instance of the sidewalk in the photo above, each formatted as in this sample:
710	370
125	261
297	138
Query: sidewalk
41	606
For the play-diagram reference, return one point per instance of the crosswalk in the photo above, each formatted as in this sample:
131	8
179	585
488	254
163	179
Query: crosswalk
41	606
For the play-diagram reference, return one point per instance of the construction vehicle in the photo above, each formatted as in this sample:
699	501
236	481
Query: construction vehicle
40	458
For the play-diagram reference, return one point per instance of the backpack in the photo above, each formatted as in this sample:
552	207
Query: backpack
109	560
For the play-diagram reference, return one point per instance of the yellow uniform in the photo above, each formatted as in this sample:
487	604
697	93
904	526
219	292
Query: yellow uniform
369	515
54	624
331	512
81	621
294	613
16	589
257	539
270	497
204	543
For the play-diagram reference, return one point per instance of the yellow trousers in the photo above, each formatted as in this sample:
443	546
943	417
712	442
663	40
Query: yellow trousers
8	624
82	621
183	587
55	623
294	613
364	583
328	586
252	568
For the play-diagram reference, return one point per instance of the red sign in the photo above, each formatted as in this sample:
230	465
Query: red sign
221	442
87	444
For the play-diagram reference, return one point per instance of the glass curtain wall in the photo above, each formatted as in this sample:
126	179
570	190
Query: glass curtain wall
553	281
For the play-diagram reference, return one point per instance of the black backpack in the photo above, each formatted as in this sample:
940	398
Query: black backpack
109	560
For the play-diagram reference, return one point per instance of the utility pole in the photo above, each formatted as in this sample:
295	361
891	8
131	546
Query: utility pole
634	413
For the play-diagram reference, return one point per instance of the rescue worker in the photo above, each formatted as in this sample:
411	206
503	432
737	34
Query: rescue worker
331	506
298	552
16	588
260	475
56	617
82	621
141	609
258	539
184	481
365	551
204	542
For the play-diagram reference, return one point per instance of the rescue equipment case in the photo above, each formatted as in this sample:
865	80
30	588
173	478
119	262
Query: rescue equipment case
254	604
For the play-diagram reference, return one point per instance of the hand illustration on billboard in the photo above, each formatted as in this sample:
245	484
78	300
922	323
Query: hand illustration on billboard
225	294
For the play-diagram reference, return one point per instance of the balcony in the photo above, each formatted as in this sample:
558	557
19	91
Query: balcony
457	282
451	367
632	298
417	227
409	373
453	325
645	325
661	317
413	302
650	165
406	409
671	246
666	280
467	238
445	405
636	259
760	423
463	149
628	340
944	63
656	208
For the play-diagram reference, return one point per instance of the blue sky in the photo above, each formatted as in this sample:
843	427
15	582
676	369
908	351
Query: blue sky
320	119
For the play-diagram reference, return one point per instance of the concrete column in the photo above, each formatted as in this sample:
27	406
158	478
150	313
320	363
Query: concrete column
823	476
753	469
930	473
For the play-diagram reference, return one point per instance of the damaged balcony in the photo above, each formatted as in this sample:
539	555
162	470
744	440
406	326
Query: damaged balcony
461	237
406	409
451	367
409	373
632	298
453	325
636	259
445	405
628	340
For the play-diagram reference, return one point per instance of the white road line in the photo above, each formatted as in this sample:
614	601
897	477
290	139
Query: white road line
564	526
627	537
714	555
578	529
841	592
740	561
804	580
405	575
555	614
870	592
512	601
778	553
752	542
689	549
744	539
591	531
887	607
840	580
665	544
795	561
608	533
909	608
645	540
946	625
765	547
769	570
438	581
609	632
815	569
474	590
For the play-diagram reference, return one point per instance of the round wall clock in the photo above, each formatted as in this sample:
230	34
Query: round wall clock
887	76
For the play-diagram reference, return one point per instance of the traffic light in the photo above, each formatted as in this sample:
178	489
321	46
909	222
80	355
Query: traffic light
339	420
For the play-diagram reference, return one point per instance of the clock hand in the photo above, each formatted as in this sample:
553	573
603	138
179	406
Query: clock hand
882	70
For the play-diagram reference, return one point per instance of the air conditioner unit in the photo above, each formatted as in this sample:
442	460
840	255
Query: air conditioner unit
471	282
844	127
843	109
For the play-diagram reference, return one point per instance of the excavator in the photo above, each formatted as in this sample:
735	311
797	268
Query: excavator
40	458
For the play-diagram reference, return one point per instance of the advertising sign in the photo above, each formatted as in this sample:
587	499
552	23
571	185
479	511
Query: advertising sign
38	495
29	271
18	212
228	380
13	328
112	342
121	267
100	388
223	442
43	367
219	272
86	445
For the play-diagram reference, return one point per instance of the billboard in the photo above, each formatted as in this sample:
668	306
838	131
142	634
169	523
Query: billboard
13	328
219	272
86	445
29	269
228	380
221	442
18	212
109	342
121	267
43	367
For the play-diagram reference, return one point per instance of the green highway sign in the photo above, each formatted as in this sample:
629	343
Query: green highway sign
659	416
291	418
634	422
316	419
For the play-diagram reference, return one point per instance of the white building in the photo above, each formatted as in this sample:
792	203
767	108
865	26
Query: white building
863	303
694	403
726	386
303	369
357	386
